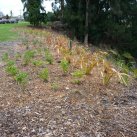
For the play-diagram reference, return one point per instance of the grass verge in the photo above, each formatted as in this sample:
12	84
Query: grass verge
7	33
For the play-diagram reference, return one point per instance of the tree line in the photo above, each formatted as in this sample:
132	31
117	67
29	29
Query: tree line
111	22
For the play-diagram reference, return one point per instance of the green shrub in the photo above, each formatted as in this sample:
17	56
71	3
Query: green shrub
21	78
12	70
5	57
49	57
10	63
124	63
64	65
44	74
28	55
78	74
37	63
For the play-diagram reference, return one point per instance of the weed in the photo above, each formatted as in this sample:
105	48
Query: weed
64	65
17	56
76	81
44	74
39	50
54	86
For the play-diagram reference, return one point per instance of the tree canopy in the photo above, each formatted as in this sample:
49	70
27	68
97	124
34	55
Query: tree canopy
34	12
111	22
104	21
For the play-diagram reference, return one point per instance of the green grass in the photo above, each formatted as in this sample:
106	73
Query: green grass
7	33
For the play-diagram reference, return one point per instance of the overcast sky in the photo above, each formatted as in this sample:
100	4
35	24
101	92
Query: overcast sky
16	6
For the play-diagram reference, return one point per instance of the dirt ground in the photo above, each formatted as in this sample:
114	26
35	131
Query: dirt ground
86	110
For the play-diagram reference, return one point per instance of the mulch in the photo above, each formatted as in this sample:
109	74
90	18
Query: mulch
86	110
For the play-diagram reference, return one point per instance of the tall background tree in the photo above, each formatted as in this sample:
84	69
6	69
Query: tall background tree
34	11
111	22
86	22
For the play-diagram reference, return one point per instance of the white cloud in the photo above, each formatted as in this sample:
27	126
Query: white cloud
17	7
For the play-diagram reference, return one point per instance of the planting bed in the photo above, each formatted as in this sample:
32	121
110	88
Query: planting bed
67	103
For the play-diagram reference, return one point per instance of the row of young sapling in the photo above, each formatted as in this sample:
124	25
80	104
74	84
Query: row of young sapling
27	58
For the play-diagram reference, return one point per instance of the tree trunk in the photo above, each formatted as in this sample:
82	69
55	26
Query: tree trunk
62	8
86	23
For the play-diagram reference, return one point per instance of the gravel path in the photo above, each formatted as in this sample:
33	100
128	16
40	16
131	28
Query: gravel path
10	43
